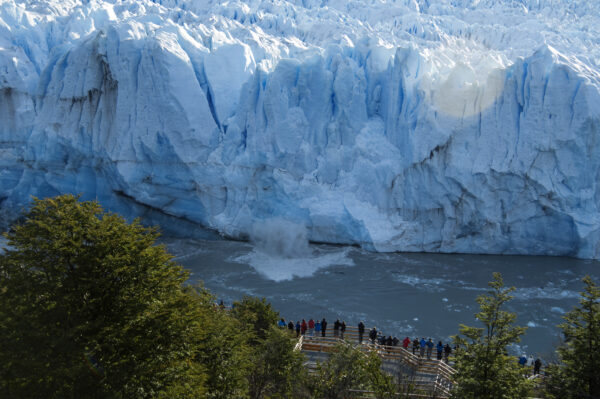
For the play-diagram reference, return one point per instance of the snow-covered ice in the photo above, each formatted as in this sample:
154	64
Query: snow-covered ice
450	126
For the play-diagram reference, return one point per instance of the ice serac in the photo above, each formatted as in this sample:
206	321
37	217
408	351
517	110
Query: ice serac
450	126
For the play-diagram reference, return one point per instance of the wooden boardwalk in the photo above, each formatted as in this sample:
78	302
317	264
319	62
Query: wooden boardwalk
428	378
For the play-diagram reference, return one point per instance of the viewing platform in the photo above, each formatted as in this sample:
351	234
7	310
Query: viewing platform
422	377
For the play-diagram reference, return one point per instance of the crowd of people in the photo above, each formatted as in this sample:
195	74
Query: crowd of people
420	347
312	327
525	361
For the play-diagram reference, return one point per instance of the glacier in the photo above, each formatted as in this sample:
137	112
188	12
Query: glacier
411	125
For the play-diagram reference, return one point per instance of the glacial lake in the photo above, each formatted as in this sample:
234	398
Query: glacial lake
403	294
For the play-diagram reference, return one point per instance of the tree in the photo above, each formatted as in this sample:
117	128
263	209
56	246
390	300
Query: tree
349	371
576	374
342	372
381	383
256	316
276	370
90	307
483	367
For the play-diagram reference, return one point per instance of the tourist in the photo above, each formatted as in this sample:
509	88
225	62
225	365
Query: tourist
415	345
381	340
447	352
395	341
311	327
318	327
537	365
281	323
343	328
523	360
440	350
530	361
389	341
373	335
422	345
291	327
297	329
323	327
429	348
336	328
361	331
405	343
303	327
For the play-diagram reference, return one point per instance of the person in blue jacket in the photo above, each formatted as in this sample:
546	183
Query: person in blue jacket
429	348
523	360
317	327
422	344
297	329
440	350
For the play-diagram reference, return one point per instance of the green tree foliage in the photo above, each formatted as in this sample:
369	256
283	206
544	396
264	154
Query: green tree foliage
256	316
576	375
91	307
483	367
221	346
381	383
349	371
275	369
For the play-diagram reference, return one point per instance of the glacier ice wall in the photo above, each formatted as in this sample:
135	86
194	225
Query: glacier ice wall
451	126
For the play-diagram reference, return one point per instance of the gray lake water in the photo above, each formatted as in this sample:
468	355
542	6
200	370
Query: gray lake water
403	294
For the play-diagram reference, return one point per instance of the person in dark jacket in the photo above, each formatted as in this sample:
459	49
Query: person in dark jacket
389	341
447	352
343	328
440	350
291	326
415	345
298	329
336	328
323	327
395	341
373	335
537	365
361	331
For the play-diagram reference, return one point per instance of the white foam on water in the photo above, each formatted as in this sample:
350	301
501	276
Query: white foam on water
282	252
547	292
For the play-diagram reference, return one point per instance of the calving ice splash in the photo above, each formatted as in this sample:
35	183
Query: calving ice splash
409	125
281	251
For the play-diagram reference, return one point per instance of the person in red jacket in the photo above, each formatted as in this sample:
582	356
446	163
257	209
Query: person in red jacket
405	343
303	327
311	327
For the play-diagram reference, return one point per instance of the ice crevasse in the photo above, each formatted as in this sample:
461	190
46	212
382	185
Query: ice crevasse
411	125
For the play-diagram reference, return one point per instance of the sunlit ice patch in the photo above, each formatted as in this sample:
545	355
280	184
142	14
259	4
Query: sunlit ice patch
462	77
